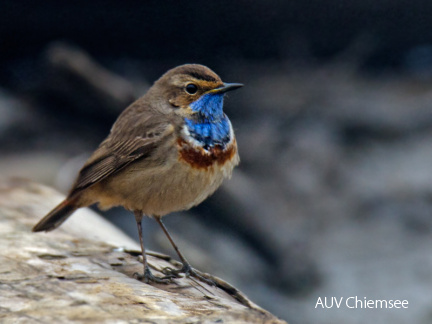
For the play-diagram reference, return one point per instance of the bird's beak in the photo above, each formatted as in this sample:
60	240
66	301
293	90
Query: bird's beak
226	87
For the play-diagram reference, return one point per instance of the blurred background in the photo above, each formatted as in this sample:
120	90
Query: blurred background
333	197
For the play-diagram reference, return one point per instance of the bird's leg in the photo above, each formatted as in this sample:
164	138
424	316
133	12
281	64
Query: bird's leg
147	274
186	268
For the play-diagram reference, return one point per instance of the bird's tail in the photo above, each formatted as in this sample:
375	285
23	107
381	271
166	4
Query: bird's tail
57	216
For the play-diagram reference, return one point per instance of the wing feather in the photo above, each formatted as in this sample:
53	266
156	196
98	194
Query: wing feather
122	147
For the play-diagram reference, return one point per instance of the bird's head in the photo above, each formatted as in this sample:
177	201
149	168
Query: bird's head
194	91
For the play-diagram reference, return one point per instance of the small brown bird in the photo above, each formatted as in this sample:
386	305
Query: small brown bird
168	151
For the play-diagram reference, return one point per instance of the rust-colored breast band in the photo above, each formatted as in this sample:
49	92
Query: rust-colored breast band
199	158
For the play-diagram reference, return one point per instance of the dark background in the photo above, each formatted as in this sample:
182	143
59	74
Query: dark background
218	31
333	197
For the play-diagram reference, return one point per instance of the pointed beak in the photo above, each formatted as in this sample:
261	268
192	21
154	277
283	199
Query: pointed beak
227	87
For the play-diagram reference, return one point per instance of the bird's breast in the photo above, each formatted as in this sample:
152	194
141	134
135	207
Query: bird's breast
210	145
217	156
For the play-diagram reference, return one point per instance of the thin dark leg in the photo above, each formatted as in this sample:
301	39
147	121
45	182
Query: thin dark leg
182	258
138	218
186	269
147	275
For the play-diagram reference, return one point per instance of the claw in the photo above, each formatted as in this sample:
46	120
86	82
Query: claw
172	272
188	271
149	277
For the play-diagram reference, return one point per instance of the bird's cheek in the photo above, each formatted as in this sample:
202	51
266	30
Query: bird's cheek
180	101
186	112
174	103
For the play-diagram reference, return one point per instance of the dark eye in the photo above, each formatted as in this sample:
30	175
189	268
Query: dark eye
191	88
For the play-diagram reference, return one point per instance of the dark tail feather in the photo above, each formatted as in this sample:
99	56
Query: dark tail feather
56	217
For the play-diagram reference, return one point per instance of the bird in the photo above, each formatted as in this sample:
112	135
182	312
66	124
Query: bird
166	152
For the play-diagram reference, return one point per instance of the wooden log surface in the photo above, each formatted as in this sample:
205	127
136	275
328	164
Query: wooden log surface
83	272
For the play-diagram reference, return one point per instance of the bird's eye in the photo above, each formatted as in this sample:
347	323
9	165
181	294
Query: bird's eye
191	88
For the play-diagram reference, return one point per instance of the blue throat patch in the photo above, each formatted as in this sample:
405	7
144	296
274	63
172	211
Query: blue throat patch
212	127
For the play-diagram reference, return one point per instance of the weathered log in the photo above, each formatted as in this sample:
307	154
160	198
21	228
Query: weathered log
83	272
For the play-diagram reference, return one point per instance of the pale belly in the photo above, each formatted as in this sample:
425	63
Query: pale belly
162	190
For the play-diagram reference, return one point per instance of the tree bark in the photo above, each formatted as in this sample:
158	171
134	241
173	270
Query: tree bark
83	272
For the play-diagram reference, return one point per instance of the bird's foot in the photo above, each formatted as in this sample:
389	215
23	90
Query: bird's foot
148	277
189	272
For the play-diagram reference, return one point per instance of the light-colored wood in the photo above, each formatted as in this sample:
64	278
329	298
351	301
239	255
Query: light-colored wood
83	273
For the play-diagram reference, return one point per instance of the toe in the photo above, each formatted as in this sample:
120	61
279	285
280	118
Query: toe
148	277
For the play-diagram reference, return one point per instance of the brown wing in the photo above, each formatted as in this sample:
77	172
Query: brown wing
129	140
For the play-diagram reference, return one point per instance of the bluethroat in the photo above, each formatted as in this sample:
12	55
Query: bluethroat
168	151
